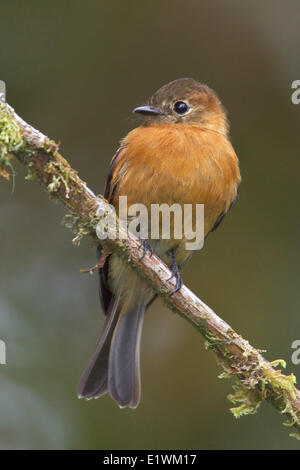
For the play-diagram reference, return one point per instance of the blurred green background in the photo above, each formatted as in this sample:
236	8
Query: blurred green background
75	70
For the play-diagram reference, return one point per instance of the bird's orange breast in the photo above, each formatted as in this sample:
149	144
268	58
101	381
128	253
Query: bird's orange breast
171	163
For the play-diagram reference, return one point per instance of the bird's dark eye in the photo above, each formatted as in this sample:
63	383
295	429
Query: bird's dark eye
180	107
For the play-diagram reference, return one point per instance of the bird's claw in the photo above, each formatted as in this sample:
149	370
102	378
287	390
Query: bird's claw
146	246
178	284
175	273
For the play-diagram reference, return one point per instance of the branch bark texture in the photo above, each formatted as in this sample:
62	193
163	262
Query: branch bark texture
256	378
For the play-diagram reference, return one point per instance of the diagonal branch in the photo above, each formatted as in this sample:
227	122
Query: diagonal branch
257	379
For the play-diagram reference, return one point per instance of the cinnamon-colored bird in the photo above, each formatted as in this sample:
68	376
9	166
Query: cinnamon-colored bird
180	154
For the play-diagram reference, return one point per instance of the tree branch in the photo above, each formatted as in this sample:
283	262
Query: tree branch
257	379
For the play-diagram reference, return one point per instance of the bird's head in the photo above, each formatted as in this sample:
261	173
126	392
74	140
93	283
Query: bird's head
185	101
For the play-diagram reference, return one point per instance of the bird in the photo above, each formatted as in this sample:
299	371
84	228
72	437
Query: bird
180	153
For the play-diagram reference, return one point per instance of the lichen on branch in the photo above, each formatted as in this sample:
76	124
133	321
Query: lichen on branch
10	141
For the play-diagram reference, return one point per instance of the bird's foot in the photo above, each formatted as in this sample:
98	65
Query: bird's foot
175	273
145	245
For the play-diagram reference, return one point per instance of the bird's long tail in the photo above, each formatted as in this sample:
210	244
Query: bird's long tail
115	365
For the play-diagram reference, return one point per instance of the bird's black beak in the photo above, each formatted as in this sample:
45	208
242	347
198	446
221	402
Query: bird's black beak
147	111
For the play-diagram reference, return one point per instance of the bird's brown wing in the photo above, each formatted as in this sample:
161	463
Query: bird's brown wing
105	293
